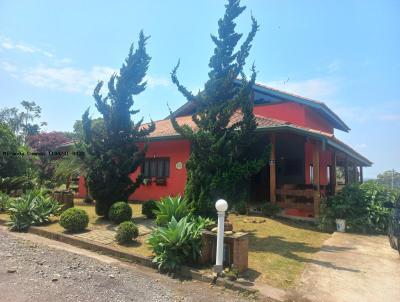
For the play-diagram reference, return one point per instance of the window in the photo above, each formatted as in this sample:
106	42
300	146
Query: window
155	167
311	173
328	175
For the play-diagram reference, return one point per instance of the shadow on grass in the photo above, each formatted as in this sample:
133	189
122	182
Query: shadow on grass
288	249
250	275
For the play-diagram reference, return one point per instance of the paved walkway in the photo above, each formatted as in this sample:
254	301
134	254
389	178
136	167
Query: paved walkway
352	268
107	236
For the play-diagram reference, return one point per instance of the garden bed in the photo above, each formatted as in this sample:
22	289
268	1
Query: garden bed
103	231
279	249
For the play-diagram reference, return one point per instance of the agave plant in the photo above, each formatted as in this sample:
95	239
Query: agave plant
9	184
171	207
33	208
4	200
177	243
20	214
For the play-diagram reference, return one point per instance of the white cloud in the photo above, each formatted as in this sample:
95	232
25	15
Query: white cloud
8	44
67	79
76	80
9	67
318	88
153	82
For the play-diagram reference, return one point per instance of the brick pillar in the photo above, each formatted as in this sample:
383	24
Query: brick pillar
241	253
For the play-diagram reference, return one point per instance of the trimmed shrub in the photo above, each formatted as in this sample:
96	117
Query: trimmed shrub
127	231
119	212
171	207
270	209
148	209
241	208
74	220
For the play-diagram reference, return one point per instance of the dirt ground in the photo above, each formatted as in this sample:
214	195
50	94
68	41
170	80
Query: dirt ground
352	268
33	268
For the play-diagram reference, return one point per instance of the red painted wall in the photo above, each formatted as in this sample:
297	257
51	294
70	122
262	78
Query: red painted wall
291	112
325	159
177	151
294	113
316	121
81	188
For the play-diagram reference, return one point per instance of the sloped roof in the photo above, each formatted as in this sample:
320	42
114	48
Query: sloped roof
164	130
263	89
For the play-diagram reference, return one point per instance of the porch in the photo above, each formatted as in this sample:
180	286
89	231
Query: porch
303	169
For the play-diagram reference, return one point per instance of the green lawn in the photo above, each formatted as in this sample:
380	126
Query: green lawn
278	249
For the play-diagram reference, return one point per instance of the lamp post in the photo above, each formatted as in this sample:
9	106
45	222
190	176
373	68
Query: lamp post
221	206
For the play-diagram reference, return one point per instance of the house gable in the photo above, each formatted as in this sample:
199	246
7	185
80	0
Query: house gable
273	103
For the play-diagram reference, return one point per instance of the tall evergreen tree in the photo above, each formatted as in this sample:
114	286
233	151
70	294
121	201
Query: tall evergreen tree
112	153
222	159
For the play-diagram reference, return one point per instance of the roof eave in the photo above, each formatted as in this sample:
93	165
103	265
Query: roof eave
322	137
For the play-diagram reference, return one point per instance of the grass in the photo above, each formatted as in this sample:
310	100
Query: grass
278	249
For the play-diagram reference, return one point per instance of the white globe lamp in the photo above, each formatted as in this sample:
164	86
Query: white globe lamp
221	205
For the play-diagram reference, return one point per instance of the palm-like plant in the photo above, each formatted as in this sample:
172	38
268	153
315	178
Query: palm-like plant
175	244
4	200
171	207
34	208
20	214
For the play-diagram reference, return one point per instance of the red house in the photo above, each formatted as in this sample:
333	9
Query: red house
306	161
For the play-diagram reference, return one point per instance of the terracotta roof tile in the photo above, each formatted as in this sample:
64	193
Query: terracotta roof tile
165	129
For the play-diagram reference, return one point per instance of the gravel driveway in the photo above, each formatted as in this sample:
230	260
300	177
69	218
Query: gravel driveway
33	270
352	268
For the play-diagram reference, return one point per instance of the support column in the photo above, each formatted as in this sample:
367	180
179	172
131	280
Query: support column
346	172
361	175
333	173
272	170
317	189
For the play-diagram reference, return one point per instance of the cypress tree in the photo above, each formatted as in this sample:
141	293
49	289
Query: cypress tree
111	151
222	158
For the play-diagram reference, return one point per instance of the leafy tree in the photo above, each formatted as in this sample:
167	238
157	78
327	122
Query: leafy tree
111	150
13	159
46	142
388	178
21	122
222	159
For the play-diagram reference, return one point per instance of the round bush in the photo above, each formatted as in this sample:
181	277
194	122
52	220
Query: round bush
241	208
148	207
127	231
270	209
119	212
74	220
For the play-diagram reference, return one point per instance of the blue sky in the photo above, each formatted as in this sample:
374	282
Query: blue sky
344	53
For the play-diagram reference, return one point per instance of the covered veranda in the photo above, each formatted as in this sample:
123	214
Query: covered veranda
304	167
